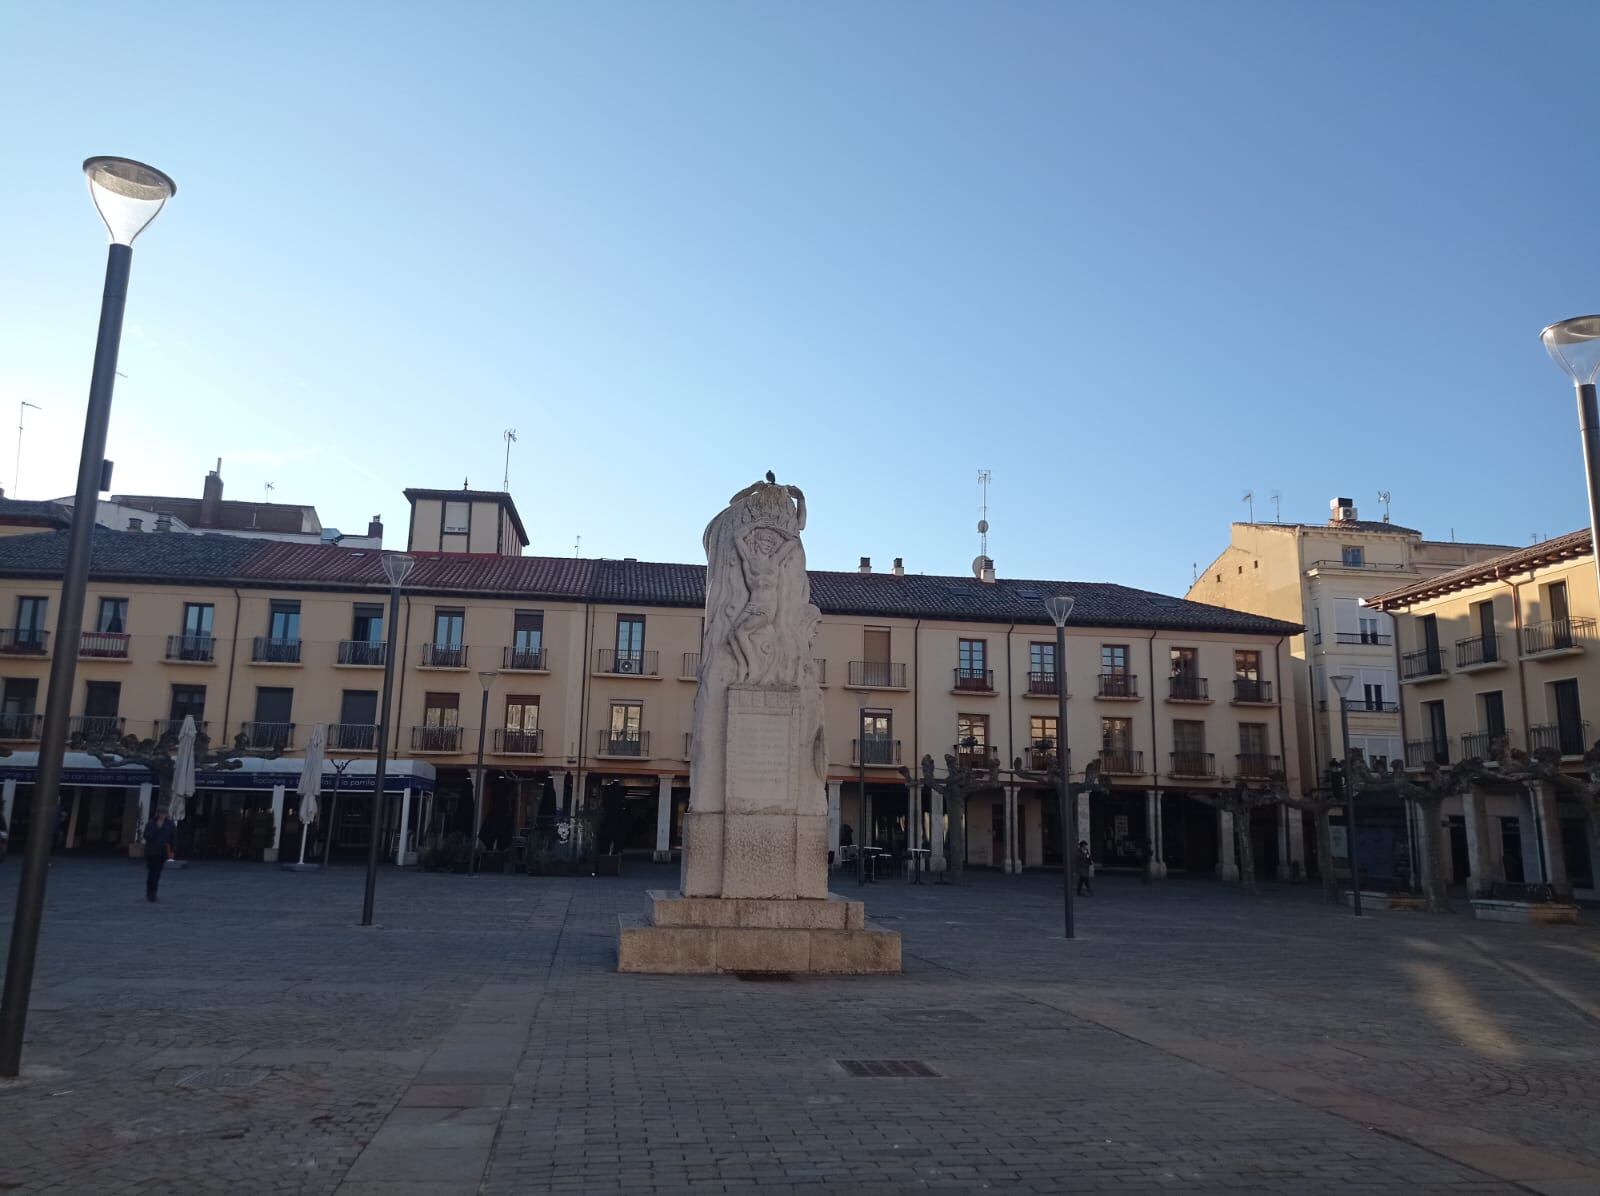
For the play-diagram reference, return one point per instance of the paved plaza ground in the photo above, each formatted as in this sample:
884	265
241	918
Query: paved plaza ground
245	1035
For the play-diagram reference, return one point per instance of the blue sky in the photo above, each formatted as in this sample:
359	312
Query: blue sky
1134	258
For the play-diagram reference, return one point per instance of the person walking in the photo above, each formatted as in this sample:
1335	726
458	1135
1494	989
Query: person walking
1145	856
1085	869
157	846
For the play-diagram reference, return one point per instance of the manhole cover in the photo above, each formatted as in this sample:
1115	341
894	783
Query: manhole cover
881	1069
945	1016
768	977
221	1077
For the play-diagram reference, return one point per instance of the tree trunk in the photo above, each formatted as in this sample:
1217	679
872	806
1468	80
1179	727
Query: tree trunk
1330	882
1246	849
1435	884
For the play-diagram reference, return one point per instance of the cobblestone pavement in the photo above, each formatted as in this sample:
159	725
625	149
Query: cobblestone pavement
244	1035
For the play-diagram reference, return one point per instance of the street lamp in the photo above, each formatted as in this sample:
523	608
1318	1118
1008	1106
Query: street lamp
485	678
1342	683
128	195
1574	345
1059	609
397	567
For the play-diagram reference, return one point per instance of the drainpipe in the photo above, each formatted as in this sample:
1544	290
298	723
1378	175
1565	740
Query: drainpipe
1522	681
1011	738
1150	696
916	701
233	655
583	709
1283	743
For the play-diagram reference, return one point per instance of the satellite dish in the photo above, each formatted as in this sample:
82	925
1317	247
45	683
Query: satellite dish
983	525
979	564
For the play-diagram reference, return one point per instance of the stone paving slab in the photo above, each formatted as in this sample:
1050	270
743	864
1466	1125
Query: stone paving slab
245	1035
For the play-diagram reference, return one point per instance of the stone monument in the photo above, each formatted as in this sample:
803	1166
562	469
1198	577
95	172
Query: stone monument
754	890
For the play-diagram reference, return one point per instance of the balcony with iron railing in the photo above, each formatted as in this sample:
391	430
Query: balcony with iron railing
524	660
1247	691
267	736
1557	636
352	737
174	727
1042	684
1481	745
1121	687
1193	764
820	663
623	743
877	674
266	650
620	663
435	739
688	745
691	666
1127	764
1257	766
875	752
24	641
21	727
95	727
978	757
1359	566
1421	752
362	653
1570	739
509	742
1380	638
443	656
1361	706
971	680
1041	756
192	649
1425	664
1184	688
1479	652
103	645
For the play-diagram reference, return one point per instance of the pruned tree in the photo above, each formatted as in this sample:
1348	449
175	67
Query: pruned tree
159	756
1543	766
961	780
1319	803
1240	802
1093	782
1429	794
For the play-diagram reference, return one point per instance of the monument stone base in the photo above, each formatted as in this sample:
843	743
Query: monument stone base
679	934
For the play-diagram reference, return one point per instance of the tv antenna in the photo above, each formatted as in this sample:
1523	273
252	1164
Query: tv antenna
983	513
510	437
267	492
1277	508
1383	497
1250	500
16	489
577	544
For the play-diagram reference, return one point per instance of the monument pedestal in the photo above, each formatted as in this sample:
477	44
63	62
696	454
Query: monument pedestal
679	934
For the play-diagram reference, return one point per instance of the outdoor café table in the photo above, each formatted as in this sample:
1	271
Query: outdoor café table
919	863
872	854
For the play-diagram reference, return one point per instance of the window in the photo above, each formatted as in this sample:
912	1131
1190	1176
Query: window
529	631
1372	694
449	624
1353	555
1429	626
630	644
970	656
875	645
1369	632
1569	718
283	625
20	695
273	705
1116	734
30	631
1485	612
456	517
197	618
1188	736
101	698
973	728
1316	624
1253	739
366	623
1438	741
1492	717
877	738
522	713
190	701
1041	660
357	728
1041	727
1114	659
1246	665
625	733
1185	662
113	616
441	710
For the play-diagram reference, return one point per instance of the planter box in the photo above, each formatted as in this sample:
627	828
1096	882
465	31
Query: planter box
1371	900
1487	909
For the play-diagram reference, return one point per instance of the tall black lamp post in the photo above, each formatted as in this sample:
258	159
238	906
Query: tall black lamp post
486	679
128	195
1574	345
1060	610
397	567
1342	683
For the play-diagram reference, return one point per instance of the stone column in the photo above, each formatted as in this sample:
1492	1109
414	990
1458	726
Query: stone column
1082	816
270	854
1160	845
1227	858
72	819
663	852
146	794
1285	871
400	852
936	829
1480	855
8	798
1542	796
1009	832
835	815
1297	842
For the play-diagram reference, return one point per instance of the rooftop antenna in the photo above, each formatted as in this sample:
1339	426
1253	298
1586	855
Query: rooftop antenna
577	544
1250	499
510	437
983	519
1277	509
1194	572
268	489
16	489
1383	497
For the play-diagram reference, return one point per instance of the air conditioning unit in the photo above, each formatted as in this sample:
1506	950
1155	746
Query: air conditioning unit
627	665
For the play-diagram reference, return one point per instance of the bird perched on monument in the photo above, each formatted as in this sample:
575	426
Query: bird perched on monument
771	477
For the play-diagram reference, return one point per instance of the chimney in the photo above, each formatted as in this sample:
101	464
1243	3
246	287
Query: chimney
375	528
987	576
1344	510
899	566
211	497
865	566
135	524
163	523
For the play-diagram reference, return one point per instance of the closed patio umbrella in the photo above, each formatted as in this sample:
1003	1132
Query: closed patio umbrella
183	771
311	785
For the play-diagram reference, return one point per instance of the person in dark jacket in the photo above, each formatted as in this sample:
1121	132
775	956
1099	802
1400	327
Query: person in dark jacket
157	845
1085	869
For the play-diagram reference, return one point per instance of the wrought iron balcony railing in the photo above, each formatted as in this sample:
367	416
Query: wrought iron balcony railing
267	736
23	727
691	665
1427	662
821	665
1041	759
1257	766
352	737
523	660
623	743
363	652
24	641
631	664
174	727
1184	688
1362	637
1570	739
435	739
877	674
1420	752
93	727
1480	745
509	742
975	680
1043	683
875	751
1118	685
1193	764
1556	635
1252	692
1122	763
266	650
443	656
1480	649
1361	706
103	645
196	649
